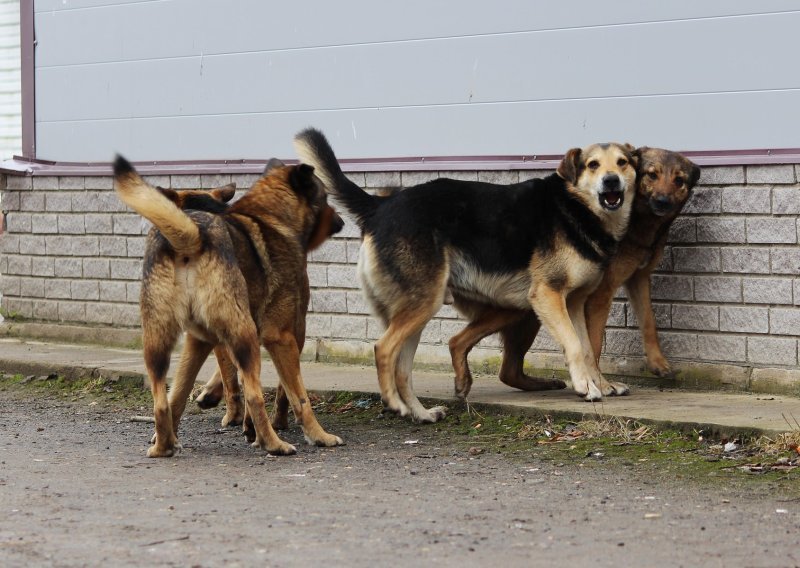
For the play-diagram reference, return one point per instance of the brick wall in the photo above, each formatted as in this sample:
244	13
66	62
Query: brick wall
726	297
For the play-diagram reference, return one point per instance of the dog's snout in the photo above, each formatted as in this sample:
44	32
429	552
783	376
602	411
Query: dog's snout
661	200
611	182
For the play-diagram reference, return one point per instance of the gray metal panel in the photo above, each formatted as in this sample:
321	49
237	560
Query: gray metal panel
520	78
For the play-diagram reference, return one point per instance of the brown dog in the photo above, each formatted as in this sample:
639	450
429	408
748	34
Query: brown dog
664	183
231	281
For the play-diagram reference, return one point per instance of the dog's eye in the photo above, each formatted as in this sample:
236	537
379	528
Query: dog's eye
593	165
678	182
652	175
622	162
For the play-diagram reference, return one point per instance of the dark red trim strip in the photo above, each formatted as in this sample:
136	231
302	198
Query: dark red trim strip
25	166
28	74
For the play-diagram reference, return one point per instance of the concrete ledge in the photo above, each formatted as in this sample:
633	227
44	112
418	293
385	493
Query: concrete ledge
65	333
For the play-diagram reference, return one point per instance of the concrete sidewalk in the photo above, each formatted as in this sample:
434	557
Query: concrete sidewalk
709	411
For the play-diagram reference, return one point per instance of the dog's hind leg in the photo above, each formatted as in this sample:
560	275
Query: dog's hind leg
638	287
405	362
234	406
517	338
285	354
194	354
157	349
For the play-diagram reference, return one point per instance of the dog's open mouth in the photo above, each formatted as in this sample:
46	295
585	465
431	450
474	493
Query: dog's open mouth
611	200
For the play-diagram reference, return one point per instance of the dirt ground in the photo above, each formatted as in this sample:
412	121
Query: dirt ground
76	489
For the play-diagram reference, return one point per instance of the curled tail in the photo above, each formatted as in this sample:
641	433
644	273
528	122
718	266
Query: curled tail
176	226
314	150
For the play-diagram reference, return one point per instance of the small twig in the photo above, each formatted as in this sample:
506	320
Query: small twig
166	540
142	419
791	426
471	410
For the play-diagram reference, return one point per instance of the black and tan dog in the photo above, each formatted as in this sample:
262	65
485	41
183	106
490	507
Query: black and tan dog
232	280
542	243
664	183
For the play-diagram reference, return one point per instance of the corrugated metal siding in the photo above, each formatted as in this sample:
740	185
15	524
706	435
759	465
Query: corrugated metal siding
201	79
10	98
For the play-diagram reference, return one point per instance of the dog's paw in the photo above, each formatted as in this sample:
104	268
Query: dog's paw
324	440
619	389
232	418
164	451
280	422
660	367
398	407
431	415
208	399
279	449
593	393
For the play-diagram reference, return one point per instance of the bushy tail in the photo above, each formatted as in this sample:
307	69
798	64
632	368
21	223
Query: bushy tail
176	226
314	150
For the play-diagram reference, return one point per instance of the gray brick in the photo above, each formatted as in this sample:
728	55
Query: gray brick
45	182
11	200
374	329
31	287
349	231
432	334
704	200
127	225
19	265
767	291
45	310
72	311
329	301
113	291
18	222
679	345
71	182
10	285
342	276
210	181
32	244
113	246
99	182
318	326
356	304
71	224
721	175
721	230
185	182
786	200
19	182
770	174
717	289
126	315
623	342
96	268
683	230
19	306
448	312
784	321
84	290
331	251
502	177
771	230
43	266
57	246
348	327
126	269
744	319
661	312
44	223
84	246
696	259
353	248
358	178
98	224
668	287
382	179
695	317
409	179
86	202
33	202
133	290
772	350
796	285
722	348
157	181
463	175
68	267
616	317
545	342
58	202
10	244
317	275
136	246
109	202
745	260
786	260
99	313
746	200
57	289
244	181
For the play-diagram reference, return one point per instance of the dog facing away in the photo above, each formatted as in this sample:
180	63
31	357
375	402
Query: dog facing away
664	184
542	243
230	280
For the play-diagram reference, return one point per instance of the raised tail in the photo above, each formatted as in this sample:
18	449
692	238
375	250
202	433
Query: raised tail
176	226
313	149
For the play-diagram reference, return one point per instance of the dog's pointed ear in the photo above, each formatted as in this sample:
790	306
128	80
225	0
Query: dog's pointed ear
224	193
272	164
301	178
694	174
569	166
170	194
634	155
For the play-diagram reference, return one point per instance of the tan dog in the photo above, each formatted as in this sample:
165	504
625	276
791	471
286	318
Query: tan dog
664	183
231	280
542	243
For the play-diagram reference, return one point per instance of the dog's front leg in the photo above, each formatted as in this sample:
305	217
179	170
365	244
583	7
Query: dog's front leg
596	311
551	307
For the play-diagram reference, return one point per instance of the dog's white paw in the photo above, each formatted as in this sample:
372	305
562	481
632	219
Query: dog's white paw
431	415
620	389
